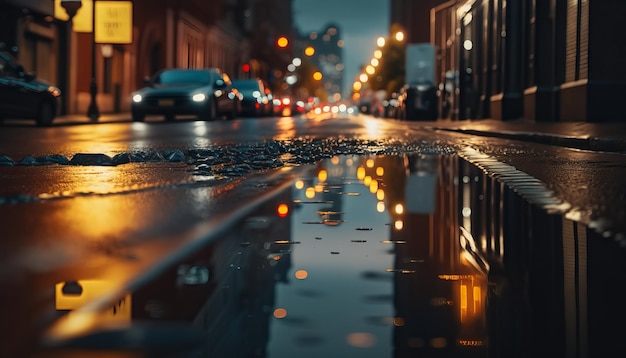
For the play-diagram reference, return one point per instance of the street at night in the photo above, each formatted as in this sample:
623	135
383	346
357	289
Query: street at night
296	178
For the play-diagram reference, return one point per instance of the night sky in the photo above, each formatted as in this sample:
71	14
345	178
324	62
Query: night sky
361	22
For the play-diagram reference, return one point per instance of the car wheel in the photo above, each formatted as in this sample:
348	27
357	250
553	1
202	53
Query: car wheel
211	114
138	117
233	112
45	114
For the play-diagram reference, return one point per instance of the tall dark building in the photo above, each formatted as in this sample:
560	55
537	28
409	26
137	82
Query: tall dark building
414	17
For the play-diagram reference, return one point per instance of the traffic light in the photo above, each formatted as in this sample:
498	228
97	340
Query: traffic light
245	68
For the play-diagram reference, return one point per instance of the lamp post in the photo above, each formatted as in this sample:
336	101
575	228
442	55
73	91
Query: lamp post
71	7
92	112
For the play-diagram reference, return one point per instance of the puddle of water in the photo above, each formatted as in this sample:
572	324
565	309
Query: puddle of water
381	256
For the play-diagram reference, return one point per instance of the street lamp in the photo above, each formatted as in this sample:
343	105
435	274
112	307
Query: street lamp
92	111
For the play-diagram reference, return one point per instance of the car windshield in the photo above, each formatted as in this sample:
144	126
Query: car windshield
8	64
183	77
246	85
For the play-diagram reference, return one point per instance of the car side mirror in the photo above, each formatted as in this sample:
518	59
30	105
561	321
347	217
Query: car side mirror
20	71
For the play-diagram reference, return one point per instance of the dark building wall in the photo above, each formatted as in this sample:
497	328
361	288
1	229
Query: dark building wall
553	60
595	81
149	37
414	17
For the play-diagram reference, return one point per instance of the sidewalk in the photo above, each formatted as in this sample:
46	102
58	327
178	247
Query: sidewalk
606	137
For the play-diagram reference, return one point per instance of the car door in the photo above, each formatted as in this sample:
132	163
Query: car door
9	98
20	93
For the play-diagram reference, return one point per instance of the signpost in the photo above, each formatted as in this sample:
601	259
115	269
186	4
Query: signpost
109	22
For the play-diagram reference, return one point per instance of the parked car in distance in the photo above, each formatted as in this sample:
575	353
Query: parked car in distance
390	106
418	103
23	95
206	93
254	101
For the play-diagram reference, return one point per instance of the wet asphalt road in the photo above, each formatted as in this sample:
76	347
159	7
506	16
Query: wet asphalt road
64	210
590	181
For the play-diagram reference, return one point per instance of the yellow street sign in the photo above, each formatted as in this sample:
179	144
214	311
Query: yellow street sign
114	22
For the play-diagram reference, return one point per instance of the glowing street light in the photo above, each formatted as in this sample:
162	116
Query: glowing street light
381	41
282	42
309	51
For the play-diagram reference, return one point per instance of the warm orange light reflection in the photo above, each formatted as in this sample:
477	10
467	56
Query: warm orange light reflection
398	321
360	173
477	299
438	342
286	127
374	186
380	206
361	339
74	295
322	175
309	193
280	313
369	163
367	180
282	210
380	171
299	184
380	194
301	274
398	224
399	208
463	305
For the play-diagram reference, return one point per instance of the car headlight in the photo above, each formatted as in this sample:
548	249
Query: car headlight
199	97
137	98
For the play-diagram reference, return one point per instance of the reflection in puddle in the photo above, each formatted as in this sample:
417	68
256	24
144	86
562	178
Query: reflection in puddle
420	255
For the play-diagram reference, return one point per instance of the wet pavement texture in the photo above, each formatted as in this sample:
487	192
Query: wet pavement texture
377	254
